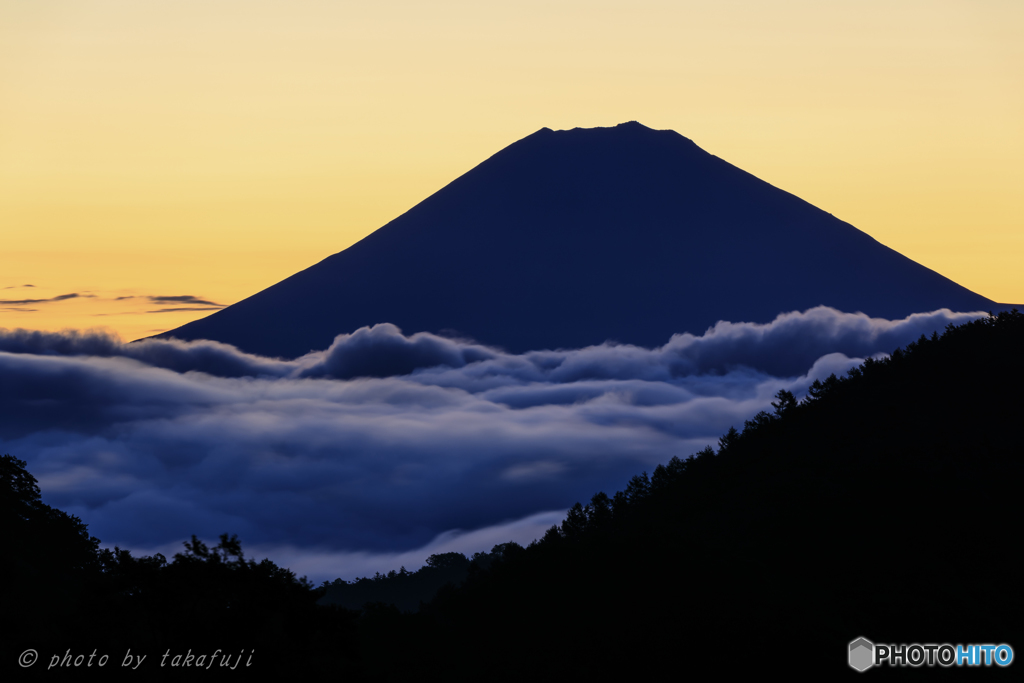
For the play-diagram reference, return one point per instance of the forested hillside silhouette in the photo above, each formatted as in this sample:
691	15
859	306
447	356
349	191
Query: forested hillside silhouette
63	593
883	505
406	590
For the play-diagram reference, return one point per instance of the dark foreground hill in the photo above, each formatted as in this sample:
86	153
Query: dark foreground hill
884	506
571	238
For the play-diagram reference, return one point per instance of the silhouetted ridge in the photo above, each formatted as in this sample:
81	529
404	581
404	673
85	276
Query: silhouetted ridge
863	510
571	238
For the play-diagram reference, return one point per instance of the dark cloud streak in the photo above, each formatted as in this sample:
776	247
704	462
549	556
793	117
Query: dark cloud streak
62	297
178	310
183	299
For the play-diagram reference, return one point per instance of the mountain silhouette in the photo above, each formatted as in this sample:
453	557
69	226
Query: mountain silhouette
570	238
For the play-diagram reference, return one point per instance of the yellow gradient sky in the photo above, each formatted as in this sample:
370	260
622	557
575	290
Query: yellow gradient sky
208	149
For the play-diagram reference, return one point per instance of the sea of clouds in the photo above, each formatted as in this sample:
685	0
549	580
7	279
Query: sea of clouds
386	448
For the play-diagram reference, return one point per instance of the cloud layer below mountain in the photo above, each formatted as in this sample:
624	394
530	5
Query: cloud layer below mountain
385	447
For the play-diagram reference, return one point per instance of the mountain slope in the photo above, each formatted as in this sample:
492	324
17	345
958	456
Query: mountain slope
883	506
571	238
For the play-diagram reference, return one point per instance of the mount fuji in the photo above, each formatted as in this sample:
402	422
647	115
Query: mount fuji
566	239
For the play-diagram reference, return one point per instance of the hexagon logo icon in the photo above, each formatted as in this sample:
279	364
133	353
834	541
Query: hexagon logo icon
862	654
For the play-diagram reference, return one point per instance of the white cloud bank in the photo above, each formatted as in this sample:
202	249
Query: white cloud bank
366	456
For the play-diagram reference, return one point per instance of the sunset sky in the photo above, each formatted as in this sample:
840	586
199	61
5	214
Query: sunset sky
160	159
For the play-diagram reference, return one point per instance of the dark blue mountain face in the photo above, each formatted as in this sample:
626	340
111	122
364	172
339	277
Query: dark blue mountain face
570	238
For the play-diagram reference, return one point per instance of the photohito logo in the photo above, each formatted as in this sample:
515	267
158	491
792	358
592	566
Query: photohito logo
863	654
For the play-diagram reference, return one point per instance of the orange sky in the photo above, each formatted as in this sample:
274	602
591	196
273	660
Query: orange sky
210	149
